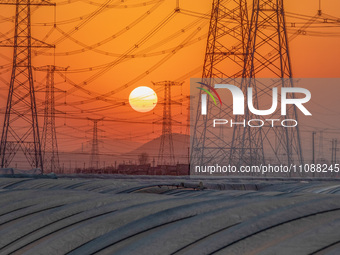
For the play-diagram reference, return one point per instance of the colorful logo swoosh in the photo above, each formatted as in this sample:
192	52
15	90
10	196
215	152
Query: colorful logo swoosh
214	90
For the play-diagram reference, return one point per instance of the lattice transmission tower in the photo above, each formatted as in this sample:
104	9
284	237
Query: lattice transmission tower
20	133
224	61
94	157
166	153
267	55
240	46
49	134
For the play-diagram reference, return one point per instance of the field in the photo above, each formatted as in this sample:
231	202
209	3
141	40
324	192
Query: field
168	215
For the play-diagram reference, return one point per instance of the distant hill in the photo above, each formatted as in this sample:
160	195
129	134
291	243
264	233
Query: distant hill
111	146
181	144
109	150
114	152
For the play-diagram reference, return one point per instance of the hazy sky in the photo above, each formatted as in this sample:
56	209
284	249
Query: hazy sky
119	36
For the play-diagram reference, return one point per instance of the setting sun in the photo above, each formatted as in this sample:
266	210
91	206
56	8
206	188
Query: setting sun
143	99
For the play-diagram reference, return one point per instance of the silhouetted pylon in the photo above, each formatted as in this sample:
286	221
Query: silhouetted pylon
94	158
224	61
267	56
20	132
239	47
166	150
49	135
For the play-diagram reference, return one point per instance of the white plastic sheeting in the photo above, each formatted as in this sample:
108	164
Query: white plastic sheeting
145	215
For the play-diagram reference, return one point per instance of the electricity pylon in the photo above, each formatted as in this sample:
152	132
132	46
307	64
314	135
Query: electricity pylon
94	158
224	61
267	55
49	135
239	47
20	133
166	153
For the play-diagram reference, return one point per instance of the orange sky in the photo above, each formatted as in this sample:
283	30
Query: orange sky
312	56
